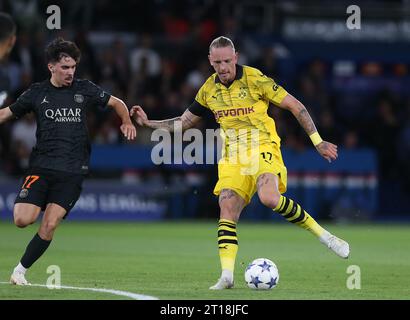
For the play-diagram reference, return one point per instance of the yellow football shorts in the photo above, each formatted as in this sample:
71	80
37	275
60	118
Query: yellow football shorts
241	175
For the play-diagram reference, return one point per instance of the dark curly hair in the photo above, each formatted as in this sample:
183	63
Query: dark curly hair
60	48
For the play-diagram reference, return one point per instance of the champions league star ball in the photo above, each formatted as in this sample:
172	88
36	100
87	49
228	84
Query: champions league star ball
261	274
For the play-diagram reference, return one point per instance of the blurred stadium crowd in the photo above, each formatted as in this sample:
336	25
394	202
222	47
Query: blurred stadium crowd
155	54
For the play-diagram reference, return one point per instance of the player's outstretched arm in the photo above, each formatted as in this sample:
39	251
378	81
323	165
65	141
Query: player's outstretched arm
185	121
127	128
5	114
326	149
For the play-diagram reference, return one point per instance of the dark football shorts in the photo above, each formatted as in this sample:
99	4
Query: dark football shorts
42	186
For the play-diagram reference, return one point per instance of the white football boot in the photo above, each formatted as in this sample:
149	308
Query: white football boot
224	282
19	279
337	245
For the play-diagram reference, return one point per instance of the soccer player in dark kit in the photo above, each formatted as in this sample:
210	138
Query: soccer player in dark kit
60	159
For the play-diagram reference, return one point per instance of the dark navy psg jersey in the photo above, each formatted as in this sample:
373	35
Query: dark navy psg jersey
62	135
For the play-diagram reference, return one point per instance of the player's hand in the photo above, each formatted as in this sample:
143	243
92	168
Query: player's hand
139	115
129	131
327	150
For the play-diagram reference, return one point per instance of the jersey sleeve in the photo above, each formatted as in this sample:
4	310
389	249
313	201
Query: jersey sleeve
197	109
271	90
25	103
201	96
97	96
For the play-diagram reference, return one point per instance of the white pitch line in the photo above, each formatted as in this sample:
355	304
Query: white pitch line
131	295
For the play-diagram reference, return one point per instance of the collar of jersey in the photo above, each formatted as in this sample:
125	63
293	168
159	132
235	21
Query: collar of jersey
59	88
239	74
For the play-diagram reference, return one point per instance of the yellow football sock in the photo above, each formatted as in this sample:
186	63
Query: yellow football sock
227	243
294	213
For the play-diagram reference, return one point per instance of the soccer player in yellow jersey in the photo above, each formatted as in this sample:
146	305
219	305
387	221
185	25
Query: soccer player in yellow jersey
239	97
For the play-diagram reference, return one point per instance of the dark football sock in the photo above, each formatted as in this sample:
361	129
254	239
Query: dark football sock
34	250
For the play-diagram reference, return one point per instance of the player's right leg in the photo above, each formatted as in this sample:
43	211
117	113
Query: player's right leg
60	192
235	189
28	205
231	205
53	214
24	215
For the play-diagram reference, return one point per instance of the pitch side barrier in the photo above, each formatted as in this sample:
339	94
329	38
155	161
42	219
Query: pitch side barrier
112	200
344	189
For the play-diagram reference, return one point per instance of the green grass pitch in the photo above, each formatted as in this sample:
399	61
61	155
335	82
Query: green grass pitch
179	260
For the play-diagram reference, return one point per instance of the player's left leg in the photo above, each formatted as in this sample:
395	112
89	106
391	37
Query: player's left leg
268	192
52	217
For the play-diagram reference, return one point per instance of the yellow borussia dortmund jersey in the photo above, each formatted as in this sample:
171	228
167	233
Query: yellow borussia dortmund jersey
242	106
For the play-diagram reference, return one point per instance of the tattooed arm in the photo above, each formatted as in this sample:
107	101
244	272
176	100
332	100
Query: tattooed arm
185	121
326	149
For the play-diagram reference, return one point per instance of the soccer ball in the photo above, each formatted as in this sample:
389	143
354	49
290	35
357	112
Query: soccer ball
261	274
